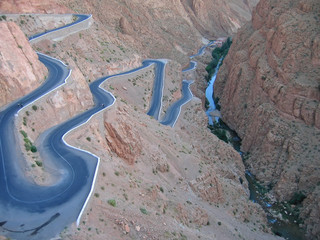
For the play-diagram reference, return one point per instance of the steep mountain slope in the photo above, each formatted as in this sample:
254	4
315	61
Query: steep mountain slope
20	69
167	29
269	92
158	29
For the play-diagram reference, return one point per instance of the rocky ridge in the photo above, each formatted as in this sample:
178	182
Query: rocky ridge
20	69
269	91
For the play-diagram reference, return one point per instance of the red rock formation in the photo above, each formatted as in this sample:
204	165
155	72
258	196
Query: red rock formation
269	91
121	138
208	187
218	17
32	6
20	69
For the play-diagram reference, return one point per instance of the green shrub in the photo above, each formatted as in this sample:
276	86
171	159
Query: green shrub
34	107
112	202
143	210
221	134
33	149
39	164
24	134
217	54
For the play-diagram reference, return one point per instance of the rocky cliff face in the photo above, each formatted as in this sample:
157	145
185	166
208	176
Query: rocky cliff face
20	69
269	89
218	17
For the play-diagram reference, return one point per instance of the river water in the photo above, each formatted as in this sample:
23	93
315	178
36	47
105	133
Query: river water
209	95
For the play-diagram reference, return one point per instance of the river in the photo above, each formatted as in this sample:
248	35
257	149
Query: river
209	95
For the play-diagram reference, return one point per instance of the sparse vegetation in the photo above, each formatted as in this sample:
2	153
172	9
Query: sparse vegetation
39	164
35	108
24	121
143	210
219	130
112	202
27	143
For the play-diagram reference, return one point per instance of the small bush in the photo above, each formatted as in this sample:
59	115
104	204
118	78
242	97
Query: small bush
143	210
112	202
24	134
39	164
34	107
24	121
33	149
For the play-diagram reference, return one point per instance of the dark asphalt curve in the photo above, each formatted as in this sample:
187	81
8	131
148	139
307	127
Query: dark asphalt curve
157	92
80	18
14	187
63	201
174	110
30	211
192	66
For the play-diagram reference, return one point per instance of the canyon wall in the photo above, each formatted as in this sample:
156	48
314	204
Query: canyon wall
159	29
269	90
20	69
167	29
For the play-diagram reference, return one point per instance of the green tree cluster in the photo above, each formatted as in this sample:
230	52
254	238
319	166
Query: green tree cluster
217	54
27	143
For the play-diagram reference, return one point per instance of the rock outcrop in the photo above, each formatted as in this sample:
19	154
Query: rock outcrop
122	138
20	69
32	6
218	17
269	89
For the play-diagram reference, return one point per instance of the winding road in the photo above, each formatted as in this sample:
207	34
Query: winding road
174	110
43	211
